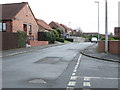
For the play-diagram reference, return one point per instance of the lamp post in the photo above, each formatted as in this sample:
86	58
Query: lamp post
98	19
106	28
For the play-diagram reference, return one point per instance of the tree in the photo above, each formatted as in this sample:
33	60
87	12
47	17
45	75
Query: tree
79	31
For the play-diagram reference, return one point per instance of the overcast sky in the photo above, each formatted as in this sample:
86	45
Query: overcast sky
80	13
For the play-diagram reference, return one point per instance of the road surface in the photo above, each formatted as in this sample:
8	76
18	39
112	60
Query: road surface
58	67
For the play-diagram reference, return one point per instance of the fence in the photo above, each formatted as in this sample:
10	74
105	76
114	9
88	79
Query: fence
8	41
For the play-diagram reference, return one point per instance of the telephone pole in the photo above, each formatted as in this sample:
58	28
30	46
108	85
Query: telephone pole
106	28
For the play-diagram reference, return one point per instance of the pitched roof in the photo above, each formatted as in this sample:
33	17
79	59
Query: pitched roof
9	11
64	26
43	24
55	24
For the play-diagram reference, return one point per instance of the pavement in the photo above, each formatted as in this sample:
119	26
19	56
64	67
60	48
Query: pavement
92	51
13	52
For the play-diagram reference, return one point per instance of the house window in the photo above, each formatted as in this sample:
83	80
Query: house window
30	29
2	26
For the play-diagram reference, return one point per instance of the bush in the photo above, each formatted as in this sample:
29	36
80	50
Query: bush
21	39
69	39
111	39
59	31
117	38
56	33
53	39
60	39
49	36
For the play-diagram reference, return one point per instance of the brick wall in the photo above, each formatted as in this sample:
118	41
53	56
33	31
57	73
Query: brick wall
38	43
113	47
25	17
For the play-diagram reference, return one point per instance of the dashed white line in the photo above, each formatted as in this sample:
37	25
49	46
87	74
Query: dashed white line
72	83
86	84
73	78
87	78
76	67
73	74
75	71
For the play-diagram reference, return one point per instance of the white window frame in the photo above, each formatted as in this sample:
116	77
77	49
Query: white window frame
3	26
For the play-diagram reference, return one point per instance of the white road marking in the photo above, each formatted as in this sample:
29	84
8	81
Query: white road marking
71	83
73	74
73	78
99	77
86	84
75	71
76	67
78	63
86	78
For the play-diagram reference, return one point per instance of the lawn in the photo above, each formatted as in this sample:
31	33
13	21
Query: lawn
65	41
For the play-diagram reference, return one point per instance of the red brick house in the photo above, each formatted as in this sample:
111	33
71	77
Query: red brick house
66	28
56	25
18	17
43	26
117	31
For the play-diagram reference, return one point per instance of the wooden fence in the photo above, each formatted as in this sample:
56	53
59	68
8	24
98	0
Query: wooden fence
8	41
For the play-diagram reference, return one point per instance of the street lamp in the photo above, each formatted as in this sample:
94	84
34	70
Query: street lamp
106	28
98	19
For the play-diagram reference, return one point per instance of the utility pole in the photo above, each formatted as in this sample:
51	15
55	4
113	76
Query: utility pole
106	28
98	20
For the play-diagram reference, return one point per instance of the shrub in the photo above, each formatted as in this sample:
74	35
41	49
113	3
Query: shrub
59	31
56	33
60	39
53	37
111	39
49	36
21	38
117	38
69	39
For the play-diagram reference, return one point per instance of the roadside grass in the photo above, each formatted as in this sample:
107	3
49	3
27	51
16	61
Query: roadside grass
65	41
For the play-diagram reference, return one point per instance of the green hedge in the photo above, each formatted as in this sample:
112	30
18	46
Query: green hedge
21	39
69	39
60	39
56	33
49	36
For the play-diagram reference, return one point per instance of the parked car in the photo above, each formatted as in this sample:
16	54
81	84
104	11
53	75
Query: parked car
94	40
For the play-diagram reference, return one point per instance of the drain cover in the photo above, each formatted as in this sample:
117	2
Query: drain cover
37	81
49	60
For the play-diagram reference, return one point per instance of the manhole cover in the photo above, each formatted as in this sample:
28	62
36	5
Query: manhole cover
37	81
49	60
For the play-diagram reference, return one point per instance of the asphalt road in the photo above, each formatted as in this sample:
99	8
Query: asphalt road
58	67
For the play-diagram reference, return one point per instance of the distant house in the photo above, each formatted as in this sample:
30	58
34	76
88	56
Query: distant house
117	31
43	26
66	28
56	25
18	17
90	33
